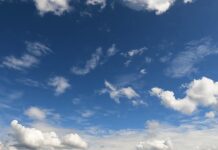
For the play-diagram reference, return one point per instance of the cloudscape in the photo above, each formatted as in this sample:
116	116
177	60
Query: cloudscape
108	75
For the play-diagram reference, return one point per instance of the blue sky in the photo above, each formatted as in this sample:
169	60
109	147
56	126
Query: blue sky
107	74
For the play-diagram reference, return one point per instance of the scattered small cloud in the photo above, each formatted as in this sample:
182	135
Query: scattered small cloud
60	84
101	3
210	114
57	7
29	59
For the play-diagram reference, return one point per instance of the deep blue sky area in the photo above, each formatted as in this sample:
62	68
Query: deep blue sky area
109	65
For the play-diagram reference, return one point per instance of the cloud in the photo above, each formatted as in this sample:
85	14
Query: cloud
60	84
97	58
118	93
185	62
29	59
25	61
134	52
155	145
57	7
87	113
202	92
35	113
101	3
210	115
91	64
112	50
37	48
159	6
32	138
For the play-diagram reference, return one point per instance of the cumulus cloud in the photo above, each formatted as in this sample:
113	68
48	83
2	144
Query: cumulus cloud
60	84
32	138
29	59
202	92
35	113
118	93
57	7
159	6
101	3
185	62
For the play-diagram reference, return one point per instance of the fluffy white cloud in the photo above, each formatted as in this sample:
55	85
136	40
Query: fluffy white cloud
102	3
185	62
155	145
117	93
36	139
35	113
202	92
58	7
60	84
29	59
159	6
91	64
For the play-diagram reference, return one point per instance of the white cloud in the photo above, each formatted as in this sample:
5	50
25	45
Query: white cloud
102	3
134	52
202	92
210	115
155	145
58	7
37	48
25	61
159	6
118	93
143	71
35	113
112	50
29	59
32	138
87	113
185	62
91	64
60	84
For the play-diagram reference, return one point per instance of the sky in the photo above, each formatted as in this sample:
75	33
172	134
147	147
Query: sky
108	75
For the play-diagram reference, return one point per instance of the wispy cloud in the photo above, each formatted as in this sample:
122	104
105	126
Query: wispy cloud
101	3
97	58
29	59
185	62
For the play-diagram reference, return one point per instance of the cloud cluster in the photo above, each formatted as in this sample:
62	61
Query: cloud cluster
57	7
35	50
32	138
155	145
60	84
202	92
117	93
184	63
